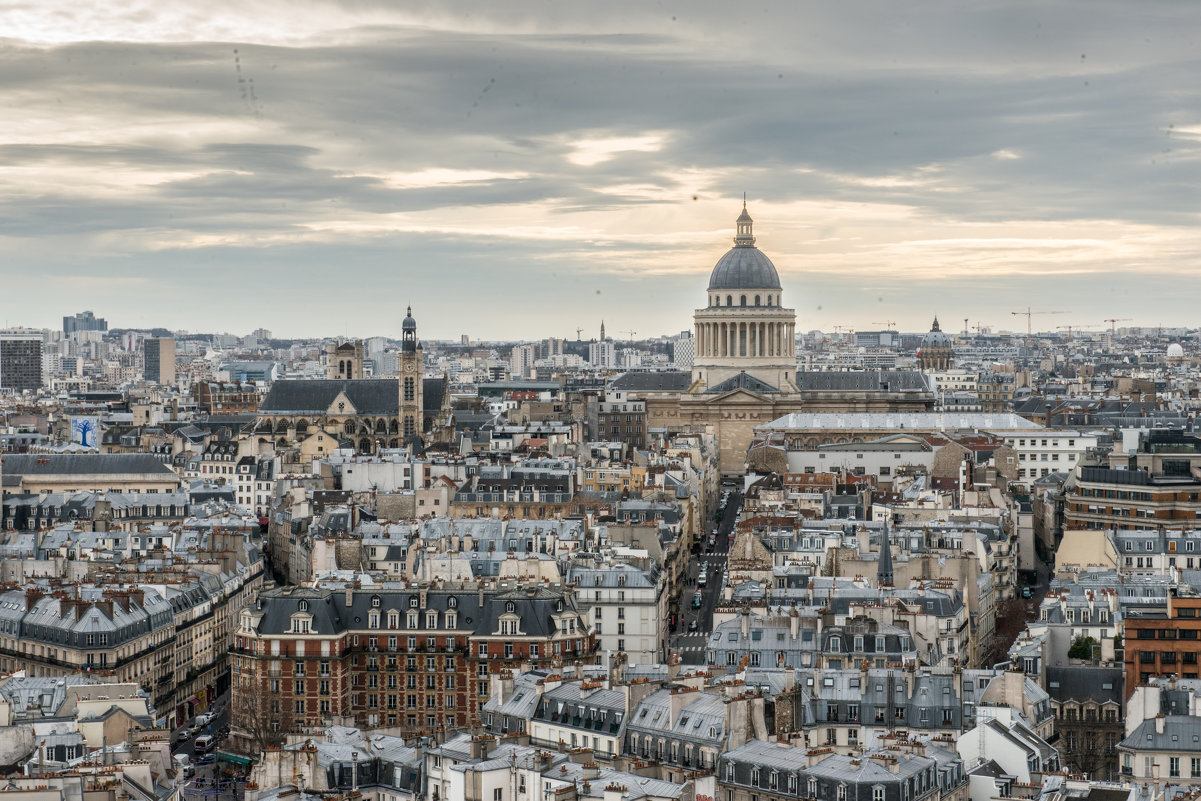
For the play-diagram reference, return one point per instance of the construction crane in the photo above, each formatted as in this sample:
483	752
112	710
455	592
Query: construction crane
630	334
1069	328
888	324
1113	326
1028	314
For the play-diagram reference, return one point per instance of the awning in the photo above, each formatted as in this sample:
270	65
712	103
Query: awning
237	760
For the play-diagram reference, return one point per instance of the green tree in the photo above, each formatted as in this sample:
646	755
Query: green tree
1082	648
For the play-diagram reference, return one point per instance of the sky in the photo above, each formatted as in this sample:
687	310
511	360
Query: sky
529	168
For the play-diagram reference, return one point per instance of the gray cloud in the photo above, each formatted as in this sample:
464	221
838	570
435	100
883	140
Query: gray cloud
156	161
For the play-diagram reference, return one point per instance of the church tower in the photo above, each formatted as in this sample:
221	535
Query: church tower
411	369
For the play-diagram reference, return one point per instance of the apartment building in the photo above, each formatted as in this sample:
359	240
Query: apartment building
416	658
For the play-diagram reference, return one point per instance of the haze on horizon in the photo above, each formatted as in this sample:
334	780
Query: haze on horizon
524	169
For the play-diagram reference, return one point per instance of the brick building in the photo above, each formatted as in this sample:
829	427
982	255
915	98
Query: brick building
1163	642
417	658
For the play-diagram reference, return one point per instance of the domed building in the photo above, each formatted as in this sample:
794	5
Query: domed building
744	373
1175	354
937	350
744	329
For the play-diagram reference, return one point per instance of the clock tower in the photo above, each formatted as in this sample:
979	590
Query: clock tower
411	369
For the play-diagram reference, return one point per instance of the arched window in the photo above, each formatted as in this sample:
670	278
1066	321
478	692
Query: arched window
756	300
729	300
743	301
769	300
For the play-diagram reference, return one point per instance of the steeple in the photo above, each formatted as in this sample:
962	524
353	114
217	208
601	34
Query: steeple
602	339
935	326
744	238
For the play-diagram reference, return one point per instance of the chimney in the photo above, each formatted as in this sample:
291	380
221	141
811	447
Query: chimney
349	594
746	622
479	746
1159	724
794	623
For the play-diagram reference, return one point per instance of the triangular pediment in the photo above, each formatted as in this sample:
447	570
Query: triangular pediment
738	395
341	405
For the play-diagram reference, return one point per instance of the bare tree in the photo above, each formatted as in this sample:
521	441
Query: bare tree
258	721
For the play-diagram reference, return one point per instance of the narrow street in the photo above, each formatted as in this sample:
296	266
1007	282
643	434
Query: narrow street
691	645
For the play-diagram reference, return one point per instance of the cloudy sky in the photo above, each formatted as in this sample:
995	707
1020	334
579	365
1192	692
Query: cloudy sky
524	168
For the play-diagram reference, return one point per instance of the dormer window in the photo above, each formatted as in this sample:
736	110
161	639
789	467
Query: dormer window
375	601
303	606
412	601
452	602
510	606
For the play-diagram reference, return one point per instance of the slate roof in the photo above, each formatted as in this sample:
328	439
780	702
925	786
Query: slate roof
864	381
84	464
1077	683
666	381
368	395
1180	733
745	381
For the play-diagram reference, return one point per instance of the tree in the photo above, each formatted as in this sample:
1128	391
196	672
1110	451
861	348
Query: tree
1082	648
258	721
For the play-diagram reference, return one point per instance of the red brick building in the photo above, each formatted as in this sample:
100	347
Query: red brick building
1163	643
416	658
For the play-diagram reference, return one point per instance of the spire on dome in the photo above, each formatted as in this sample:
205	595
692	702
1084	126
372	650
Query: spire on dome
744	238
935	326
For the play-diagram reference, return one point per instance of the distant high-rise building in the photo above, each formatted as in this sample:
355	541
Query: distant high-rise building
20	362
683	348
159	355
521	360
84	321
602	354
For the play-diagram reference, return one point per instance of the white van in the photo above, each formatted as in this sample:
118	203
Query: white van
202	743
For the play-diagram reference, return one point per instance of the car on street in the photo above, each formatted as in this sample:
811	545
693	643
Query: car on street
207	759
696	600
701	578
1025	592
183	736
693	626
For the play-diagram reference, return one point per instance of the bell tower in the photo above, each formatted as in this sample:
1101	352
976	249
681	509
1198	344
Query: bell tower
409	408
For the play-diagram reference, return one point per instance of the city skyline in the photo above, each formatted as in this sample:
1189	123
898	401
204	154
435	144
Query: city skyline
314	173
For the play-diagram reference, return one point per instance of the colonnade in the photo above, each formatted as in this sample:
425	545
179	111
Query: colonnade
750	339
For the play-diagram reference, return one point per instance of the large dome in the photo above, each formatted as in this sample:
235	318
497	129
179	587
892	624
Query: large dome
936	338
744	266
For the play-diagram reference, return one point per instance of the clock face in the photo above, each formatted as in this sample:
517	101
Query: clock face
410	367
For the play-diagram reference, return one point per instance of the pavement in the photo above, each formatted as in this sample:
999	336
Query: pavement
691	645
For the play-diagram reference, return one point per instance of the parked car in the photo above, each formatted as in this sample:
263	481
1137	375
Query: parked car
207	759
183	736
1025	592
693	626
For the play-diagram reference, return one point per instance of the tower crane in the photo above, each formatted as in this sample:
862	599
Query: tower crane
1028	314
630	334
1069	328
1113	325
888	324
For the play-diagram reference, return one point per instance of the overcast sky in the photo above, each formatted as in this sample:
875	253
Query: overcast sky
521	169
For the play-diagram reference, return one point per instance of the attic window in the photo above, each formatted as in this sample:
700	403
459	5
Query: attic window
375	601
303	606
